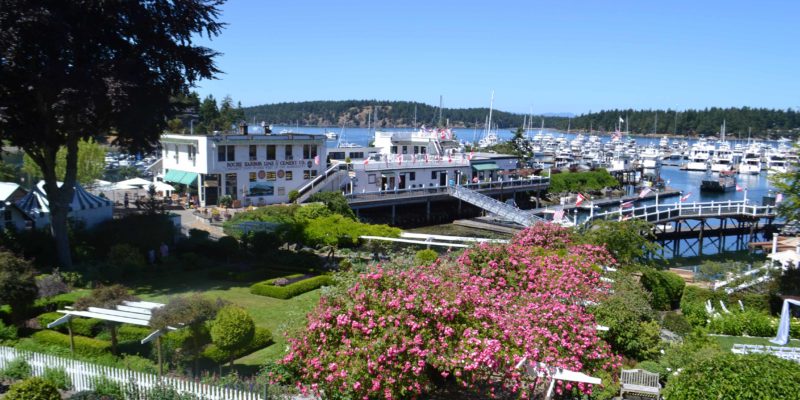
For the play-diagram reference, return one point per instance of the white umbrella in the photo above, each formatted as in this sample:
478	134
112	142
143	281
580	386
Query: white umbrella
163	187
135	182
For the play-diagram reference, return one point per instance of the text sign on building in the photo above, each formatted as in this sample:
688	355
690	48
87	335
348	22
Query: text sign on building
269	164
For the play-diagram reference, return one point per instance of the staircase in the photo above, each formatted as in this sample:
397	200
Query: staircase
331	179
502	210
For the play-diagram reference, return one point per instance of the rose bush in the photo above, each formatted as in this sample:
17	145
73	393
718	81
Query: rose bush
460	323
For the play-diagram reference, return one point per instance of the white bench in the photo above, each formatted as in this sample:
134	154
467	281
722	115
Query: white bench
640	382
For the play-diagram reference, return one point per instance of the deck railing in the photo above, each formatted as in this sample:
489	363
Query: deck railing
661	212
443	189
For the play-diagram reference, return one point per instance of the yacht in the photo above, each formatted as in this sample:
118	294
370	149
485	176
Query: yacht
751	161
331	135
722	159
699	157
651	158
776	163
724	182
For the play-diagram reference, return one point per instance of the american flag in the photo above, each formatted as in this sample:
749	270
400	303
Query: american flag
580	200
626	204
558	215
644	192
739	188
684	198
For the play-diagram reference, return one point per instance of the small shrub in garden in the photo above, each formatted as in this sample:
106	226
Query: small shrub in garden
58	377
280	282
425	257
83	345
676	323
107	387
126	259
652	366
269	289
33	389
16	369
666	287
232	329
7	332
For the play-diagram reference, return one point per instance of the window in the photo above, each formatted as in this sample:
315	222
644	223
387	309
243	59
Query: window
192	150
357	154
176	152
412	176
271	175
226	153
423	150
288	175
231	184
405	149
433	174
287	152
309	151
393	150
416	149
281	191
252	176
309	174
253	152
270	152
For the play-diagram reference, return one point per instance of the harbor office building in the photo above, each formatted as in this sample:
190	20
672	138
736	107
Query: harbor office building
254	168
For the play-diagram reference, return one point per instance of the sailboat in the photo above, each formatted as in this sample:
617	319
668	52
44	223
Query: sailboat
489	137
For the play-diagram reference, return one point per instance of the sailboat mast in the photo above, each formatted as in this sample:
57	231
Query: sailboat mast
655	124
491	104
415	116
723	130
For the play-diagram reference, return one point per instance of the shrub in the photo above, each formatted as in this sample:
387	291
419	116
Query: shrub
233	328
228	246
83	345
107	387
293	195
269	289
144	232
425	257
676	323
652	366
105	297
17	284
731	376
58	377
7	332
751	323
16	369
51	285
33	389
89	395
191	261
88	327
261	338
225	201
126	259
132	333
693	304
666	288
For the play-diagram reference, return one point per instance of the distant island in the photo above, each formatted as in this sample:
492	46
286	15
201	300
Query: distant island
760	122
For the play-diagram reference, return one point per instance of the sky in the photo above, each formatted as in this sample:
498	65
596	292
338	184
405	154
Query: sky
544	56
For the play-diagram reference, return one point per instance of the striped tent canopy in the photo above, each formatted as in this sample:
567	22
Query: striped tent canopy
85	206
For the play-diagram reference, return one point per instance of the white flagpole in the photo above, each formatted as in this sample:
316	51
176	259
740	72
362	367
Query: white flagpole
745	195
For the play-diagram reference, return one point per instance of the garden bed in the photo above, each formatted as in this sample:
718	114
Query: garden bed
293	285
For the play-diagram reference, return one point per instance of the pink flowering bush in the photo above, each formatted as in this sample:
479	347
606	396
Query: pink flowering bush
462	323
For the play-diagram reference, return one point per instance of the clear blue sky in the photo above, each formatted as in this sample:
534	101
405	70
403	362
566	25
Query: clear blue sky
556	56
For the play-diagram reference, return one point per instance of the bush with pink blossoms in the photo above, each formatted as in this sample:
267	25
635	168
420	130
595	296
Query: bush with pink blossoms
459	324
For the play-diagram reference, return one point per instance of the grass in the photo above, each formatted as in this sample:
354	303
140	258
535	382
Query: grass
727	342
279	316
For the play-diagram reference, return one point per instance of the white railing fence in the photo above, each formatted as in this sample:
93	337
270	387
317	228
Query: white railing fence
84	374
689	210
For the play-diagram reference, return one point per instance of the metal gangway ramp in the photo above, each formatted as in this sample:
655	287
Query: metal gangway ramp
502	210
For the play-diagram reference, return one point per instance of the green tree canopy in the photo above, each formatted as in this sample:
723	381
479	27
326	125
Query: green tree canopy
17	283
232	329
630	242
91	163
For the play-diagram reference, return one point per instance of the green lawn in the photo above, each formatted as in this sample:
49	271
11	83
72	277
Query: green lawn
279	316
727	342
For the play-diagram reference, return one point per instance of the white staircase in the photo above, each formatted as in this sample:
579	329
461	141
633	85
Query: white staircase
502	210
331	179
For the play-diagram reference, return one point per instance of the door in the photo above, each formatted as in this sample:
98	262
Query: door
392	183
402	184
443	178
212	195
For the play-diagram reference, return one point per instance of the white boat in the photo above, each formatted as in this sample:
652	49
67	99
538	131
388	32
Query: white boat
722	159
651	158
776	163
490	137
331	135
699	157
751	162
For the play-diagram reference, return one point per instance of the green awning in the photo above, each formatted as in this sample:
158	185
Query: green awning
182	177
485	167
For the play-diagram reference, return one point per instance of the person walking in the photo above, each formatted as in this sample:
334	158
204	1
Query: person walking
125	201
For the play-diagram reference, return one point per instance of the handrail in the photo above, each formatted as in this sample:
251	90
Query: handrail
328	172
443	188
712	208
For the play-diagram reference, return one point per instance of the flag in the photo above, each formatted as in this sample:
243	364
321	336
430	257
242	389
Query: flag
627	204
366	161
621	121
778	198
471	153
684	198
667	182
316	160
558	215
739	188
449	158
400	159
426	157
580	200
644	192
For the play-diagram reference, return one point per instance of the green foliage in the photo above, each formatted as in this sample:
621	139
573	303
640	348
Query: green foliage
261	338
609	388
17	284
695	346
104	386
164	392
693	304
425	257
88	327
677	323
750	323
105	297
132	333
666	288
233	328
16	369
335	201
788	183
581	181
127	259
226	201
58	377
33	389
267	288
293	195
653	366
142	231
7	332
91	163
731	376
630	242
627	313
228	245
83	345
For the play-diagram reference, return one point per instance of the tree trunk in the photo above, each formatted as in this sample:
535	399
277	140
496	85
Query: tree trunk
60	231
59	198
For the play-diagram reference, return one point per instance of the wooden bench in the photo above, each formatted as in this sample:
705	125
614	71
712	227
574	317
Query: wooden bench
639	382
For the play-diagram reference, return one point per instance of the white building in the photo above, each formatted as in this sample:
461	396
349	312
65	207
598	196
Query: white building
256	169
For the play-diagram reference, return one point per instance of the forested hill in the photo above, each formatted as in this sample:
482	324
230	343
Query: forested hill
763	122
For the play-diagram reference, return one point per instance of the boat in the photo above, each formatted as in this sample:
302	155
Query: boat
724	182
490	137
699	156
651	159
722	159
331	135
751	162
776	163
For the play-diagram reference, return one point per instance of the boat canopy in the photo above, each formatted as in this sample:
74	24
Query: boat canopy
485	167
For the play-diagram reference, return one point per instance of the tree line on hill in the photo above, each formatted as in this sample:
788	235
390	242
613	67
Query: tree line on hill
762	122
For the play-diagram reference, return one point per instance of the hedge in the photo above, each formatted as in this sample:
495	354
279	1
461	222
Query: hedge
751	323
267	288
666	287
677	323
132	333
83	345
262	338
88	327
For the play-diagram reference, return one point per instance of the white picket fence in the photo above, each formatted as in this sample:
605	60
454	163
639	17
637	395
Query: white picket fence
83	375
